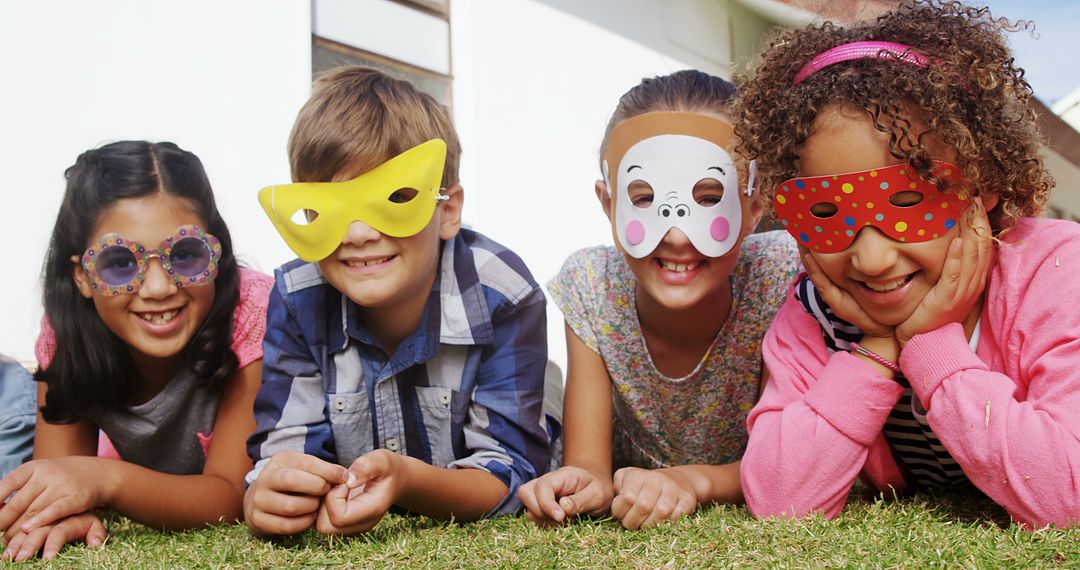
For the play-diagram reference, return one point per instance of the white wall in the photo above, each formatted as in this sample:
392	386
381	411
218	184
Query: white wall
221	79
533	90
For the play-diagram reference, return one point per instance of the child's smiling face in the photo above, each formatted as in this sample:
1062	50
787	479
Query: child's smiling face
676	274
886	277
160	319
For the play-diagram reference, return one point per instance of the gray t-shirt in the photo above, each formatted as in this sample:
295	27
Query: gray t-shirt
169	433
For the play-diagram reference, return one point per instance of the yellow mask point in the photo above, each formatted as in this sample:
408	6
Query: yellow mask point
396	198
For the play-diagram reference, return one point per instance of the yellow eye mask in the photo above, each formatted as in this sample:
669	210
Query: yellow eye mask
396	198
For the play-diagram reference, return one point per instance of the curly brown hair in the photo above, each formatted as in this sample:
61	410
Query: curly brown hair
970	97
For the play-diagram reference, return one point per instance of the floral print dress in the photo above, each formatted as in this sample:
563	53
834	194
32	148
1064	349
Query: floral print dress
699	418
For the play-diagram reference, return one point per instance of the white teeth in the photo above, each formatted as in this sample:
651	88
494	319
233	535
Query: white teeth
679	267
158	318
883	287
367	263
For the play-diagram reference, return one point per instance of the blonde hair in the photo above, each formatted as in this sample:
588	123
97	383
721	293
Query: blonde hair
357	118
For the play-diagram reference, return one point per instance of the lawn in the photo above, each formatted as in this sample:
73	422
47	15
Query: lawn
916	532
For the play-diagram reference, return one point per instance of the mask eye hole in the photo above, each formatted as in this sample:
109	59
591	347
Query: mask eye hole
641	193
708	192
303	217
906	199
823	210
403	195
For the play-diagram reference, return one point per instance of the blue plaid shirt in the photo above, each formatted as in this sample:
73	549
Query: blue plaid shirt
464	390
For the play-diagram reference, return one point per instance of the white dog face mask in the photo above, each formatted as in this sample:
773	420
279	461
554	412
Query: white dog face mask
673	172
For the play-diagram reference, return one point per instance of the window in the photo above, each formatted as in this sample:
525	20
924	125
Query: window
407	39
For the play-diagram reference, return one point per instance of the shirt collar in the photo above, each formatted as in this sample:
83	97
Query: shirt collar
455	313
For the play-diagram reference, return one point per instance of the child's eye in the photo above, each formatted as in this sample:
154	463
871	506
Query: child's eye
120	263
708	191
641	194
906	199
403	195
823	210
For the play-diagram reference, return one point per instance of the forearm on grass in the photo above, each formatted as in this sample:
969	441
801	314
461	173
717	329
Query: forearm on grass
439	493
711	483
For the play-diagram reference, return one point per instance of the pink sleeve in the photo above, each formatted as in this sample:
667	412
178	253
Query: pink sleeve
45	347
249	318
816	423
1015	429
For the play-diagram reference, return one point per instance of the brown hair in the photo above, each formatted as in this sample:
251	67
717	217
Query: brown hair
970	97
687	90
357	118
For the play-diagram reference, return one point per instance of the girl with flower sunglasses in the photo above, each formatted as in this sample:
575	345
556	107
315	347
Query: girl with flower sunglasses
153	335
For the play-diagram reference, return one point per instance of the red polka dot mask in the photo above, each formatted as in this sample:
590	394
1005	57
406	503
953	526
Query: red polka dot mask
825	213
669	170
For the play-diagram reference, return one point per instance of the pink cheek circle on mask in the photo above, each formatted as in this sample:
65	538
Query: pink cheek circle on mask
635	232
720	228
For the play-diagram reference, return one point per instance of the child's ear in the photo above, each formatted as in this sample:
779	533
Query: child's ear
755	208
450	218
82	281
603	196
990	202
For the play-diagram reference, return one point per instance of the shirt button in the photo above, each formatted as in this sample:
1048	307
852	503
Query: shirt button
392	444
339	404
445	399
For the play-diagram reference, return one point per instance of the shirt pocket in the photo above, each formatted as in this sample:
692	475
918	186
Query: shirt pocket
440	406
350	421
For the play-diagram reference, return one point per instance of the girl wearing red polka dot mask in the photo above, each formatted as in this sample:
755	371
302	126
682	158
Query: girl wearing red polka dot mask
923	346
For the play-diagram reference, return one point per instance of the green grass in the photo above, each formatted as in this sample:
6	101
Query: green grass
917	532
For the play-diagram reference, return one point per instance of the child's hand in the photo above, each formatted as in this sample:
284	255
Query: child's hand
842	304
355	507
285	498
564	493
85	527
645	497
962	281
47	490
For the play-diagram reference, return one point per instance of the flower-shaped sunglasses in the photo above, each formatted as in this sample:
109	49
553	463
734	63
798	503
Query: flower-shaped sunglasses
117	266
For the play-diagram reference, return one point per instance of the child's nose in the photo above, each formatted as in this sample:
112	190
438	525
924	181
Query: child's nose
157	283
872	252
676	237
360	233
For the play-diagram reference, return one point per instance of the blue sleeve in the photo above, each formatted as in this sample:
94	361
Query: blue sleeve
18	411
290	407
506	428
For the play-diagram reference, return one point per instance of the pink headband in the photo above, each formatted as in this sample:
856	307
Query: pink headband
858	50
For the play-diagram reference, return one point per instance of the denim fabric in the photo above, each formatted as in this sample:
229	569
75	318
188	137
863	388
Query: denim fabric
18	410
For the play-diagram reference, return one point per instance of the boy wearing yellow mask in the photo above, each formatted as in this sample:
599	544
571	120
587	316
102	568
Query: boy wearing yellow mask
404	357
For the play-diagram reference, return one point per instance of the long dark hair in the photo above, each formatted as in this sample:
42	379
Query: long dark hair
92	370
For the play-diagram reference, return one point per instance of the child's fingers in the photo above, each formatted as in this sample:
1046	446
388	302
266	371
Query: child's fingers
673	503
59	509
270	523
369	467
16	507
285	504
87	528
297	480
14	481
96	534
538	497
634	507
30	545
332	473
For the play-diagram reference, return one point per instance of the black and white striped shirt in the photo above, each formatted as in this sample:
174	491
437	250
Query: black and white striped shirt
921	457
